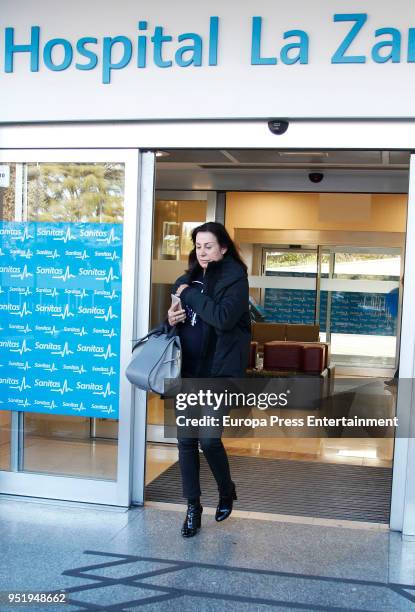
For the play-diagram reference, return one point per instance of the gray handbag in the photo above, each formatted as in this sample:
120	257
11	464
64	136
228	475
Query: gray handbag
156	357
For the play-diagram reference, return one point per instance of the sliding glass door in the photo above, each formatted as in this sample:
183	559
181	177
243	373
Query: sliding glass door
176	214
352	293
360	305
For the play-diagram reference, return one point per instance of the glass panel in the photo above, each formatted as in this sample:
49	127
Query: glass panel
292	296
361	318
58	200
67	445
174	221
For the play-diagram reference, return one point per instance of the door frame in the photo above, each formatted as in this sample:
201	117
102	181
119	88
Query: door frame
254	134
73	488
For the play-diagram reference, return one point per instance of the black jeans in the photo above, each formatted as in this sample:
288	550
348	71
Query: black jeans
217	459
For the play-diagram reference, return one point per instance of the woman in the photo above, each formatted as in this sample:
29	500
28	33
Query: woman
215	333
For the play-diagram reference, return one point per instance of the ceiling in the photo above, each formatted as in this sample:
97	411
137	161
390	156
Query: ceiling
245	159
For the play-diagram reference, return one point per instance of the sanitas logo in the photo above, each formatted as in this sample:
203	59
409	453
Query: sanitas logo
58	234
91	272
25	253
50	308
9	344
89	386
10	270
9	381
91	348
64	276
20	290
10	231
47	291
50	231
49	270
93	233
49	384
94	310
78	292
62	389
47	346
48	253
10	307
107	255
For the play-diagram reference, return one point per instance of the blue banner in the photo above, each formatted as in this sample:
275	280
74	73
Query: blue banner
60	317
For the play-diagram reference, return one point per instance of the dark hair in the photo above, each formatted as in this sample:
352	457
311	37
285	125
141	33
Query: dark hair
224	240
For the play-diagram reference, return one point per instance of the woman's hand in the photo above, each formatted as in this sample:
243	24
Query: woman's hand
180	289
176	315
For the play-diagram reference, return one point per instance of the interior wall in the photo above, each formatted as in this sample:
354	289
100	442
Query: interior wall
309	211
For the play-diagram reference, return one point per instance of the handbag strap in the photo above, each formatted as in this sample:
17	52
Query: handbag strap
163	328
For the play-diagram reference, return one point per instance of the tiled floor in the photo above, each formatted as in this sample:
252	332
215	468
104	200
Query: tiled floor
137	560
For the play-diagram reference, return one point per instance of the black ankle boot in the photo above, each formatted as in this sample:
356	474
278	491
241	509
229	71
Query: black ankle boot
193	520
225	505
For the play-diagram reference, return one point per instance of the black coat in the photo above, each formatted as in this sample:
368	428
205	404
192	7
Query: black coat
224	306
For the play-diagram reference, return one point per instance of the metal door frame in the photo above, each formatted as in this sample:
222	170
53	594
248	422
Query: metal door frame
72	488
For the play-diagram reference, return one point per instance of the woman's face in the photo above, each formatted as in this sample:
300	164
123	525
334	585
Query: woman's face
208	248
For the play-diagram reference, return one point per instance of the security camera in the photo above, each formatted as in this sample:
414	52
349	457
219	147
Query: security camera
278	126
316	177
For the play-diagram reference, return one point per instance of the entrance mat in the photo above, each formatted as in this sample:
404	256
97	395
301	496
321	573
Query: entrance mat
278	486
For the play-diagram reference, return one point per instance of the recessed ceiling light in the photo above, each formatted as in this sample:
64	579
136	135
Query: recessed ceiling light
162	154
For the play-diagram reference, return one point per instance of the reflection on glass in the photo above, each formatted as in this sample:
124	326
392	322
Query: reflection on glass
294	301
70	446
75	192
186	244
7	192
361	321
171	239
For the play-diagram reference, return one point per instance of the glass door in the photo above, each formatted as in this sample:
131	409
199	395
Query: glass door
176	214
360	305
67	248
353	294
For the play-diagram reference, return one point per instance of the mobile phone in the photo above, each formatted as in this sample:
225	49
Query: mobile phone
175	301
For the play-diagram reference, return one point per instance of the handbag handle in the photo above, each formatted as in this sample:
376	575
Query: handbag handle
163	328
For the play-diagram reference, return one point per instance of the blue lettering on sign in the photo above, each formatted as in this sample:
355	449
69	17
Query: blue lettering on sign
189	49
256	58
394	44
68	54
107	63
117	51
60	313
339	56
286	55
11	48
82	50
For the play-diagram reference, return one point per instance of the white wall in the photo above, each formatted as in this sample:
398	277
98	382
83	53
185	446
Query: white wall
233	88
